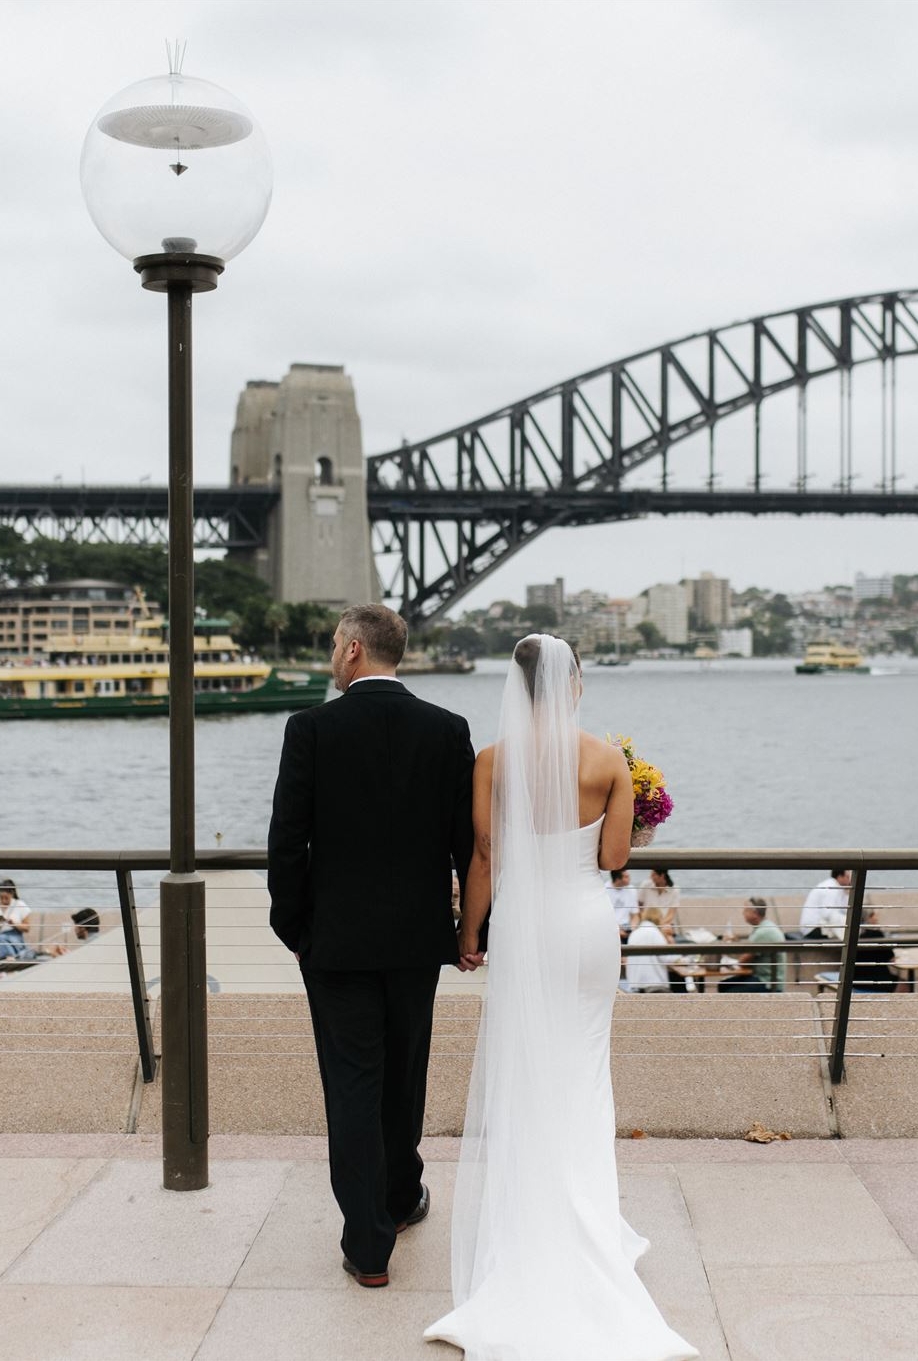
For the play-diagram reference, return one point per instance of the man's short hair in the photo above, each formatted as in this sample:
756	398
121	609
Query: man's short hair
758	904
382	633
837	874
86	917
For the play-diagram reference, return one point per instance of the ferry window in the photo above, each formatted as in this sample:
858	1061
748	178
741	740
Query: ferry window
60	687
79	687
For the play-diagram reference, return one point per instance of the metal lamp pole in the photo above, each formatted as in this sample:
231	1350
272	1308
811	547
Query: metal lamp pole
170	163
182	920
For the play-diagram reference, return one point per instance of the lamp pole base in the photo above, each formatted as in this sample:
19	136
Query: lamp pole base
184	1026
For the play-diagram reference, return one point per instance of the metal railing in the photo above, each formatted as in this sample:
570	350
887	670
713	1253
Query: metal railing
123	864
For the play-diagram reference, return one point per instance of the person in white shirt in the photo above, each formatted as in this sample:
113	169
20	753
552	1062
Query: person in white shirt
624	900
647	973
14	921
827	903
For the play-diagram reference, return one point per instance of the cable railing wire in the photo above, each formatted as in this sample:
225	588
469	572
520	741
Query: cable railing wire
129	899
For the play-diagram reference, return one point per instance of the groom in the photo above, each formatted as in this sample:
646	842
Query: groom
373	800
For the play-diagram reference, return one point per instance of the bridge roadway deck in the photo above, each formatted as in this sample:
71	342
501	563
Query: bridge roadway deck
799	1251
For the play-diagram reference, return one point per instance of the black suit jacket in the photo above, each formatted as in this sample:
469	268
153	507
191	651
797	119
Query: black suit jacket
373	798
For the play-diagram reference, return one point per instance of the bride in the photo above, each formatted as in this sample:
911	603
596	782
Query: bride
543	1263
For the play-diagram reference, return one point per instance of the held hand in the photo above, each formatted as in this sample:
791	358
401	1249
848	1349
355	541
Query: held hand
469	963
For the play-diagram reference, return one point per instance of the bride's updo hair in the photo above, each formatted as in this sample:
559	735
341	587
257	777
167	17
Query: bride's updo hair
526	656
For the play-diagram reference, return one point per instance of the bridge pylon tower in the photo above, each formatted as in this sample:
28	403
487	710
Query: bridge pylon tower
301	436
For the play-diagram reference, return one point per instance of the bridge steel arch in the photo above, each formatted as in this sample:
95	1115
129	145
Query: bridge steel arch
449	510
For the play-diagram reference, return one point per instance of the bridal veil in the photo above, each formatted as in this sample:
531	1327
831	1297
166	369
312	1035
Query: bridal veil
516	1133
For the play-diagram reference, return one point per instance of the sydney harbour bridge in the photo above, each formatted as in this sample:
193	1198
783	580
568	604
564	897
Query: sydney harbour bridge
658	433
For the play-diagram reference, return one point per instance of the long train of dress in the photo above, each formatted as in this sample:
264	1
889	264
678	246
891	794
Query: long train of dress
554	1276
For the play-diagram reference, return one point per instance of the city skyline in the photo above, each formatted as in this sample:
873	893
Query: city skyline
746	551
543	592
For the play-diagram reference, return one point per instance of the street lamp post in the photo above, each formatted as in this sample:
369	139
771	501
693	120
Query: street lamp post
177	177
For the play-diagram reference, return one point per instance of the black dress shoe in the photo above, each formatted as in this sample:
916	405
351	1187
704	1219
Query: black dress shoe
420	1211
372	1280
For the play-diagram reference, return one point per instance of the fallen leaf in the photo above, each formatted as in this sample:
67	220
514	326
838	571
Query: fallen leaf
758	1134
638	1134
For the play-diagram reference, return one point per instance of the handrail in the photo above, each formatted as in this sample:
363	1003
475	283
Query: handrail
714	858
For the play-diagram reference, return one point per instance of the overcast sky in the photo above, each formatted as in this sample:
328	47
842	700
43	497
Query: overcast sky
473	199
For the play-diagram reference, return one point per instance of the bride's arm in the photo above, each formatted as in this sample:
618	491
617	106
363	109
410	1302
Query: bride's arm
615	842
477	897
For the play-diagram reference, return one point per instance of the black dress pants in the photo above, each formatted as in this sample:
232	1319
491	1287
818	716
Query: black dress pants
372	1029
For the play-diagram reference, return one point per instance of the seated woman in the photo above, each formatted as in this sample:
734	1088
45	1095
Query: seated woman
14	923
648	973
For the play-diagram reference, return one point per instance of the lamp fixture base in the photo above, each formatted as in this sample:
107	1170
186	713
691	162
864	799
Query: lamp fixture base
198	272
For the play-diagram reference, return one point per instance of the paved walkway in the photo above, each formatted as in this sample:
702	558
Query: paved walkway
792	1251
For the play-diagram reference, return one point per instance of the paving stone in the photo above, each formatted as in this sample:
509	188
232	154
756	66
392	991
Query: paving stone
791	1313
316	1325
126	1230
103	1323
786	1215
33	1192
672	1269
895	1190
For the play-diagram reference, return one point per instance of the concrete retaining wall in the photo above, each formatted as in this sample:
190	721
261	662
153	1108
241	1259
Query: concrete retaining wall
702	1066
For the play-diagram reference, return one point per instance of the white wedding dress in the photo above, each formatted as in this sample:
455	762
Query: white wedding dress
569	1291
543	1265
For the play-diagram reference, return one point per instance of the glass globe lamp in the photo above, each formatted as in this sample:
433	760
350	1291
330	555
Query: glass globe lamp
176	165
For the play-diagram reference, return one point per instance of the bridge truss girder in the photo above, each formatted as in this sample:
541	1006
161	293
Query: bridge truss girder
486	529
582	439
224	517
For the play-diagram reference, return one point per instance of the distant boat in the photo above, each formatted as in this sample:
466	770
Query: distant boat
831	658
611	661
111	676
429	663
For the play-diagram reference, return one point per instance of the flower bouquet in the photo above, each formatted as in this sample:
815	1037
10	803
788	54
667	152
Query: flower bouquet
652	804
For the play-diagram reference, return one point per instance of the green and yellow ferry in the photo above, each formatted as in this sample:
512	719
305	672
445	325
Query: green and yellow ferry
106	676
828	659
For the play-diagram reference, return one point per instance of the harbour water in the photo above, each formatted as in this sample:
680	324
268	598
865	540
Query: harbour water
754	756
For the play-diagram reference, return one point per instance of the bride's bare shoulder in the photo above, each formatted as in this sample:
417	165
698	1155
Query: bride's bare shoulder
485	757
601	754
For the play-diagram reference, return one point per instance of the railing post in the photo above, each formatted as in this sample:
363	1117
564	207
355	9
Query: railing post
846	975
135	969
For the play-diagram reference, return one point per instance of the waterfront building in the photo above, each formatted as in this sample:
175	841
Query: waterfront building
710	601
585	602
36	619
872	588
548	594
636	612
735	642
668	607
